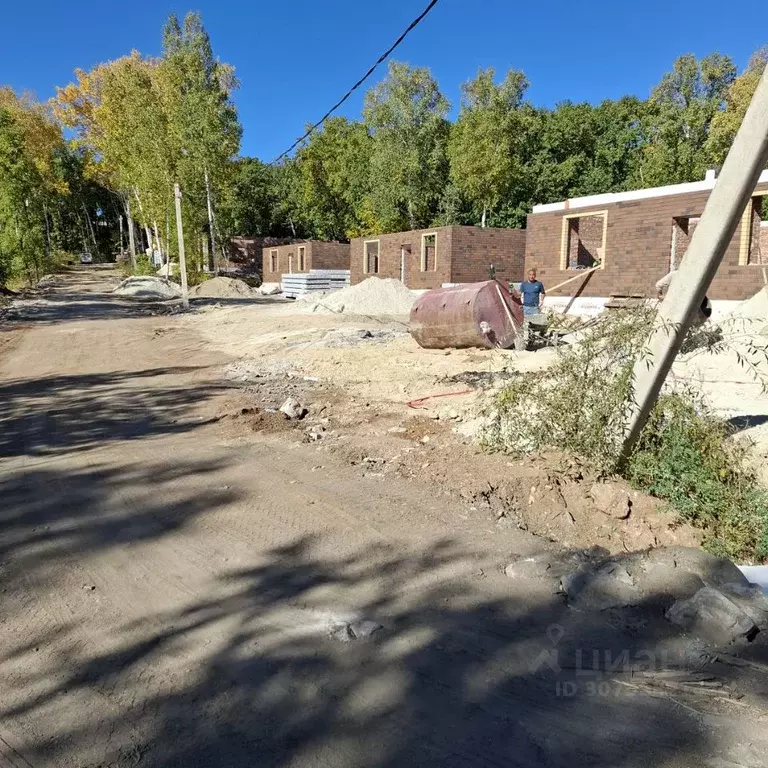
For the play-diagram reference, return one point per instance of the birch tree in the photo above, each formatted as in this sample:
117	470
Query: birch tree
483	143
406	117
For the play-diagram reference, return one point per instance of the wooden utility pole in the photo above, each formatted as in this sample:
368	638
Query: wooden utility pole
182	260
725	207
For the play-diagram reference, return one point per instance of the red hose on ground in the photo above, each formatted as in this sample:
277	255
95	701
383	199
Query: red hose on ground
419	403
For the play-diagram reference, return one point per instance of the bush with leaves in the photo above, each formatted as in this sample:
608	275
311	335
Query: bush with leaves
580	403
683	455
144	267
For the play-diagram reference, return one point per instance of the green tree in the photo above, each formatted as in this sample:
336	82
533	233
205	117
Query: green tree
144	124
483	145
681	109
334	173
22	241
203	127
406	117
247	206
738	97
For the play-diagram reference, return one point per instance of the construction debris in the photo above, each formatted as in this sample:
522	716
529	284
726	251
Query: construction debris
293	409
145	287
47	281
223	288
706	596
355	630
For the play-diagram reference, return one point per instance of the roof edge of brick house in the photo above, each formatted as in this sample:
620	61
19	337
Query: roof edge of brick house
608	198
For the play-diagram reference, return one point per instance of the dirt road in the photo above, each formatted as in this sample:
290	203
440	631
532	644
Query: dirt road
176	592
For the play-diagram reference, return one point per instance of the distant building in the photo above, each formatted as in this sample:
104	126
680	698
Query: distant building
246	251
428	258
301	256
638	236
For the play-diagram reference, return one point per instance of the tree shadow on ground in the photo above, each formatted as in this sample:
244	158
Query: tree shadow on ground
61	306
256	673
740	423
253	301
50	512
57	414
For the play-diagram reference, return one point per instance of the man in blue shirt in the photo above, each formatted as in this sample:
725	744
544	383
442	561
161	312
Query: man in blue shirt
532	292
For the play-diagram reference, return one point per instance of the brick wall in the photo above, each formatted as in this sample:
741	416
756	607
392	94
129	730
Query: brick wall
764	241
474	249
327	255
637	249
684	227
756	253
391	247
462	255
248	250
318	255
286	262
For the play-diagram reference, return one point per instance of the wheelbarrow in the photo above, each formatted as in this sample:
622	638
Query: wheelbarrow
537	331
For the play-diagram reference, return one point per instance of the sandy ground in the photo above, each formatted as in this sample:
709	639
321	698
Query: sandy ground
387	365
179	569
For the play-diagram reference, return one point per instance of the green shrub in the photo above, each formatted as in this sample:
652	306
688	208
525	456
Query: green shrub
579	406
684	456
196	277
144	266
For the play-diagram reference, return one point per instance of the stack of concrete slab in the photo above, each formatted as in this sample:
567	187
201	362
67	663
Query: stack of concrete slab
337	278
300	283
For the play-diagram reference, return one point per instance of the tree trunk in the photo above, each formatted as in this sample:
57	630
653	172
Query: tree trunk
157	241
131	234
147	230
211	227
411	218
47	230
89	228
485	211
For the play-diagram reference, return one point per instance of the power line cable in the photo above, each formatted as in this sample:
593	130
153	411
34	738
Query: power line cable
384	56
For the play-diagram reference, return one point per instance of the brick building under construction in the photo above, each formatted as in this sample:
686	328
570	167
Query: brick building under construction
637	236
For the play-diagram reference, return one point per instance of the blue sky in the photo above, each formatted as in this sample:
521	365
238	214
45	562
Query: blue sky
297	57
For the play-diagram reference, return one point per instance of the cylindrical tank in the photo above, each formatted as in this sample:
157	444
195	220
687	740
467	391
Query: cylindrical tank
473	315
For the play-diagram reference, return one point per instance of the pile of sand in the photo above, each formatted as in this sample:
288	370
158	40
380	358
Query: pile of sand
751	316
374	296
223	288
148	288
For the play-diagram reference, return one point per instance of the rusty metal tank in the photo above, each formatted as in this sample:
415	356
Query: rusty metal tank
473	315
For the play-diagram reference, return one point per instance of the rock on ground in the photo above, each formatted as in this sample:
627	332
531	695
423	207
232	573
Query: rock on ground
713	617
293	409
706	596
